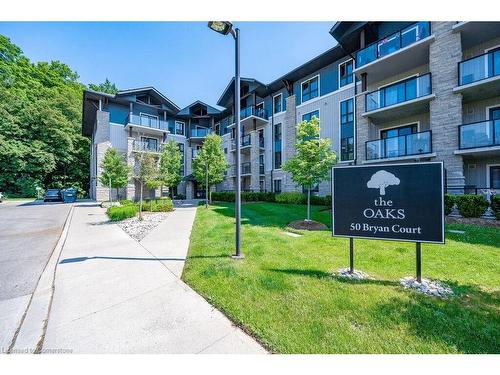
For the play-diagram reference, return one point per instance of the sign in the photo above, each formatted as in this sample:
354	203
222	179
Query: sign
401	202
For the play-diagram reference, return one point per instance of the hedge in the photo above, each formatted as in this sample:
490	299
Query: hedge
471	205
495	205
288	198
246	196
117	213
158	205
449	201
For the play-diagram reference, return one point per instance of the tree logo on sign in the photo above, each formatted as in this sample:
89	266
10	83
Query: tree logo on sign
381	180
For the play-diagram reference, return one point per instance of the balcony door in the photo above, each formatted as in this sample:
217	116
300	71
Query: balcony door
494	115
494	176
149	120
149	144
395	139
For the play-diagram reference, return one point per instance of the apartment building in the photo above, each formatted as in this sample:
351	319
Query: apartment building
387	92
428	91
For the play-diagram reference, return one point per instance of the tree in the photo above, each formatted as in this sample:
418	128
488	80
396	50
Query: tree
148	174
107	87
210	161
170	165
313	158
115	172
382	179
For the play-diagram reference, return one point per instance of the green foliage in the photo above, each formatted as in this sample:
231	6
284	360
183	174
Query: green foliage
107	87
495	205
449	201
223	196
321	201
117	213
471	205
148	170
170	165
126	202
291	198
40	125
211	158
158	205
114	169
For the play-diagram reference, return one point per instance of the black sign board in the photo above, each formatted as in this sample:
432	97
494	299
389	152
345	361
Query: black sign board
402	202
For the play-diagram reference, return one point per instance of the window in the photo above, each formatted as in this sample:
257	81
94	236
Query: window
345	73
278	103
179	128
396	132
277	186
148	120
181	150
310	89
395	142
149	144
225	150
277	146
310	115
494	177
347	130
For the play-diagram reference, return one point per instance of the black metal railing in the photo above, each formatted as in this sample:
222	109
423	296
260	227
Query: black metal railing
479	67
246	140
400	92
479	134
402	145
392	43
473	189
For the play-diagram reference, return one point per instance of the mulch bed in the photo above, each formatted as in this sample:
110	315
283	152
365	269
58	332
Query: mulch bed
474	221
307	225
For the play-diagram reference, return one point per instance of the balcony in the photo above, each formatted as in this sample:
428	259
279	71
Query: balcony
246	169
401	147
249	114
147	124
396	53
479	137
246	142
474	33
403	98
143	146
200	132
479	77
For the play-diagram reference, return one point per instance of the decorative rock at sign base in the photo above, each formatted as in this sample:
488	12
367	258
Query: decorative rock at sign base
356	275
429	287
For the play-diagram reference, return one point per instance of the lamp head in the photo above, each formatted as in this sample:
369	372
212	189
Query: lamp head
222	27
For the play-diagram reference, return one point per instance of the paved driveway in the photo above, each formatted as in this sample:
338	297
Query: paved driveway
28	234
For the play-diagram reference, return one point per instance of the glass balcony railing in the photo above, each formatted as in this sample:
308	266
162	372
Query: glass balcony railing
479	68
200	132
392	43
400	92
244	113
479	134
246	140
146	146
147	121
403	145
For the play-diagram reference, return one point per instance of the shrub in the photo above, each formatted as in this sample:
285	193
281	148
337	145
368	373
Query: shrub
321	201
126	202
471	205
117	213
158	205
180	196
495	205
223	196
449	201
291	198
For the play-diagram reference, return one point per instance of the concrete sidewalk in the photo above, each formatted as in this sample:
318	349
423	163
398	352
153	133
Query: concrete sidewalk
115	295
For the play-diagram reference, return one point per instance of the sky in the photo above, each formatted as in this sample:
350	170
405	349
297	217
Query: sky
184	60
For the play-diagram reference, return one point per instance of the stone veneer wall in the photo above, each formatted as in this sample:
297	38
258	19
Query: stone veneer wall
103	143
446	109
289	134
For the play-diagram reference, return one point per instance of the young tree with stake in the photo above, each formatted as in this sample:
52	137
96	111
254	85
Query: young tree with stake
147	175
115	172
170	165
210	163
313	158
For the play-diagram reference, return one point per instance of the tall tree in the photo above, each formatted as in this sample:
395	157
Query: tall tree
148	174
107	87
40	125
170	165
210	161
313	158
115	171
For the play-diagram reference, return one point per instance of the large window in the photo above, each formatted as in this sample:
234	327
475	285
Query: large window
278	103
277	186
310	89
149	144
179	128
277	146
396	132
347	130
310	115
345	73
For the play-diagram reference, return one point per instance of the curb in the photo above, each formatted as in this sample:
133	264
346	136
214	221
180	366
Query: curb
31	332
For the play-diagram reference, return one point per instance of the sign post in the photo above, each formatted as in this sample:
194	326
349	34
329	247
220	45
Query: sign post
398	202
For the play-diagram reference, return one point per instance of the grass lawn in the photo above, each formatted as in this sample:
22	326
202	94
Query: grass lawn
283	292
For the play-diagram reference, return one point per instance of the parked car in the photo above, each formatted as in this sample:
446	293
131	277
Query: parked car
52	195
1	197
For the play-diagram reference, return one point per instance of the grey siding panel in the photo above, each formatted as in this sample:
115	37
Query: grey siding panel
478	111
118	137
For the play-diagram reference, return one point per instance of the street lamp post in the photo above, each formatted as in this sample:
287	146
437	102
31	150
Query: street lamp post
224	28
